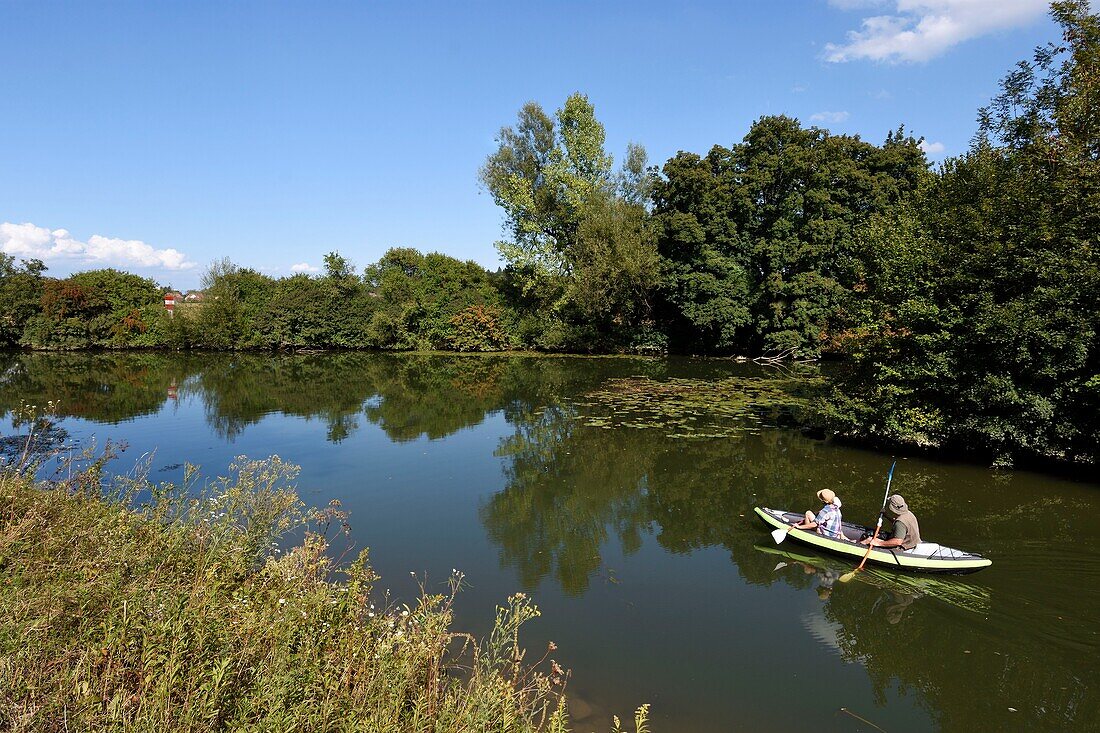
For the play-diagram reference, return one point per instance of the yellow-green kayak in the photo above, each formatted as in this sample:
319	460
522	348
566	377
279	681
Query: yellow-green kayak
927	557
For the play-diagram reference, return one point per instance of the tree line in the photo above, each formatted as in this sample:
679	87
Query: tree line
962	300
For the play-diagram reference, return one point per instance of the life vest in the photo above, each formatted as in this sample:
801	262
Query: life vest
912	533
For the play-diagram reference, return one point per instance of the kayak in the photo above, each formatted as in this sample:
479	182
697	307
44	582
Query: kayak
927	557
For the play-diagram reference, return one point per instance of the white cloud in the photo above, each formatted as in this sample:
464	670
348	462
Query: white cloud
829	117
931	148
919	30
35	242
798	89
304	267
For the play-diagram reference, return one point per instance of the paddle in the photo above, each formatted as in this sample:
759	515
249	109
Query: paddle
878	525
781	534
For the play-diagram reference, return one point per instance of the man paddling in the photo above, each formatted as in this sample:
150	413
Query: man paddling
906	530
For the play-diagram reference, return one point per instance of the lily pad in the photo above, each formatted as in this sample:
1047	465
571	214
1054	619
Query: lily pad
694	408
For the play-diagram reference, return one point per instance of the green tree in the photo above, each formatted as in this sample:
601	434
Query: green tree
231	315
339	267
757	240
993	346
97	308
20	296
704	292
616	267
425	302
581	260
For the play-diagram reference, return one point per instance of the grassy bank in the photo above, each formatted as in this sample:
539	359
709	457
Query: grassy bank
216	606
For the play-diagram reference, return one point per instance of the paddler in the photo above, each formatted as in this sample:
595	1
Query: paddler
906	530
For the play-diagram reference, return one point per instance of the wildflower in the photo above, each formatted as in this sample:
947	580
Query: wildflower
552	646
282	601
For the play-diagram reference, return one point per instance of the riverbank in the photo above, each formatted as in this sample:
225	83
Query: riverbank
218	606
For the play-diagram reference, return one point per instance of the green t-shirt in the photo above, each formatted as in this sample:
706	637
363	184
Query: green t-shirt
900	531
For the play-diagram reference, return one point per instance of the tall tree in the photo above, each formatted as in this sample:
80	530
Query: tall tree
757	238
996	349
20	296
704	292
581	257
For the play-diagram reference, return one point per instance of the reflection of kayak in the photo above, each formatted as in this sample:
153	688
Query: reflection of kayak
949	590
927	557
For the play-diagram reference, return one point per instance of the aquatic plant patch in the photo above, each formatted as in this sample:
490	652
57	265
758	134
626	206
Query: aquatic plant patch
697	408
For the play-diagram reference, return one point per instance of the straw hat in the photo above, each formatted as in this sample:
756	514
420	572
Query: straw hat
897	505
826	495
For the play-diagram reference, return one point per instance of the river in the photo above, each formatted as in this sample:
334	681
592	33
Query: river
618	492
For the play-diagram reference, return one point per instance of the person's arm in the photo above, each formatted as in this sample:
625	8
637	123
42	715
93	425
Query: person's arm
892	542
896	540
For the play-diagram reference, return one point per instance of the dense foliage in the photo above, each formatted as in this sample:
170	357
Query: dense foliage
758	240
963	300
978	327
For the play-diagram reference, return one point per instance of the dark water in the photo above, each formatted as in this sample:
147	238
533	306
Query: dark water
636	536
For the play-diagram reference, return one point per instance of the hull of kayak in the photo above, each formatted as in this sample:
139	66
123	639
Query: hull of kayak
928	557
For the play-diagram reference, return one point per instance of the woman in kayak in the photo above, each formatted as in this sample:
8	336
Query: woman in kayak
827	521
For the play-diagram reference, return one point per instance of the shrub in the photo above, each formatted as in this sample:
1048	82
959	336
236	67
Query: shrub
158	607
477	328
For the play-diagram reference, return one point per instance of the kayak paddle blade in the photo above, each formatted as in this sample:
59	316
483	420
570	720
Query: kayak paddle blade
848	575
779	566
779	535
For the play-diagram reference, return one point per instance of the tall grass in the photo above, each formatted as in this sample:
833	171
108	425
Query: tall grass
172	607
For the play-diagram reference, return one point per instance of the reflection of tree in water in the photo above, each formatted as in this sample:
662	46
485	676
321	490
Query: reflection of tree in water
940	636
238	390
570	487
104	387
949	662
701	489
432	396
436	395
406	395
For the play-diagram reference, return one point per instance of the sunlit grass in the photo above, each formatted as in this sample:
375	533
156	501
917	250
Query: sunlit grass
187	608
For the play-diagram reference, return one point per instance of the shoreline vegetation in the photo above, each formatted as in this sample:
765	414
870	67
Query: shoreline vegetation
216	605
958	301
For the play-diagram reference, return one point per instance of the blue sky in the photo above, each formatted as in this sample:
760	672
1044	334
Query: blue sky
158	136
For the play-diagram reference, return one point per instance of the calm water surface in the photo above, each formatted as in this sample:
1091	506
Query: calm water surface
635	534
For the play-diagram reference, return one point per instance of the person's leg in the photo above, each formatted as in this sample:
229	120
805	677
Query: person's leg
809	517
